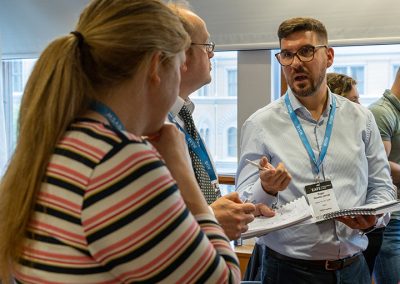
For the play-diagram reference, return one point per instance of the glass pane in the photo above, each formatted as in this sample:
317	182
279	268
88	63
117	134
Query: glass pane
205	133
395	69
216	112
15	74
232	83
340	69
232	142
357	73
372	67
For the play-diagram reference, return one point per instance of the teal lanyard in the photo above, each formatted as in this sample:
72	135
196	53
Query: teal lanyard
198	147
105	111
303	137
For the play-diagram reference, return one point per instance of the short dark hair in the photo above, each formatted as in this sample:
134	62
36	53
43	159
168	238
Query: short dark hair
340	84
293	25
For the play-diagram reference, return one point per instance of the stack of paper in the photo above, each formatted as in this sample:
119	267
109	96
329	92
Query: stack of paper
289	214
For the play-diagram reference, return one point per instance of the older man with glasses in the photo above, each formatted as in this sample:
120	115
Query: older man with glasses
229	210
314	143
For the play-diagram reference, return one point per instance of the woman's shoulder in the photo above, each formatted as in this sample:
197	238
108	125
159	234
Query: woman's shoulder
94	141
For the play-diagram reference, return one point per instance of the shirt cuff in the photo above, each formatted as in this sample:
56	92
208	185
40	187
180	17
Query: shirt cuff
260	196
205	217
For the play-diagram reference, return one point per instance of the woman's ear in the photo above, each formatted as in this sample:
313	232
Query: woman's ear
155	68
184	67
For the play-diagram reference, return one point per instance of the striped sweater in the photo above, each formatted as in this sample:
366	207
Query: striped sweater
109	211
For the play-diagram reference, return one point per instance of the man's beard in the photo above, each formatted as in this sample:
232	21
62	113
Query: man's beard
303	90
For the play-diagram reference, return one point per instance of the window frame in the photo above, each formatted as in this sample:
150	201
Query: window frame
232	82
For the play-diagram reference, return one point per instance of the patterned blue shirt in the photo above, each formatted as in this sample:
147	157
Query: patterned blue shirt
355	162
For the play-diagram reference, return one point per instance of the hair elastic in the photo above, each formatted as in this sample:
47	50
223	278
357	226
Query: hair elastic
79	37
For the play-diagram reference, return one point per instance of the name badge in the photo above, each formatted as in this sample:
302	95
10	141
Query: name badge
322	199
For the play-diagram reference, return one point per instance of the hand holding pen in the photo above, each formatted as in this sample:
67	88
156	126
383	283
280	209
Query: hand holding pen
267	166
273	179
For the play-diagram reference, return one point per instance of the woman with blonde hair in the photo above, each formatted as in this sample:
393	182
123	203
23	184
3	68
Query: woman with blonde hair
85	198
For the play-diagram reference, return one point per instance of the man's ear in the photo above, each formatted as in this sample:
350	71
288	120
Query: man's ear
155	68
331	55
188	59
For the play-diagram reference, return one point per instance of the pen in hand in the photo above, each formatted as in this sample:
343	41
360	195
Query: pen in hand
256	165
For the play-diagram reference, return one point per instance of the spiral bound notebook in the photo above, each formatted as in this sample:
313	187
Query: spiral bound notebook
298	212
287	215
367	209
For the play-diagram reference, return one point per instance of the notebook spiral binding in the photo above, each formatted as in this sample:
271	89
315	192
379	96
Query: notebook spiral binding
349	212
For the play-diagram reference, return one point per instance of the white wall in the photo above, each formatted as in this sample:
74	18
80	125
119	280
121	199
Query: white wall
254	83
27	26
252	24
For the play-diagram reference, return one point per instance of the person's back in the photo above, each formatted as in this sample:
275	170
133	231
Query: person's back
99	200
78	227
387	115
387	112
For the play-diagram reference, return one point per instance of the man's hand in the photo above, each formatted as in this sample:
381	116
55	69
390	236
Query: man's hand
233	214
273	179
263	210
360	222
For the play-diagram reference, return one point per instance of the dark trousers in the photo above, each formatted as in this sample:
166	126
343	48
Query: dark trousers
277	271
253	270
374	245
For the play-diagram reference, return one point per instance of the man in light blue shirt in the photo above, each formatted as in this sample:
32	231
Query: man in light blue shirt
307	138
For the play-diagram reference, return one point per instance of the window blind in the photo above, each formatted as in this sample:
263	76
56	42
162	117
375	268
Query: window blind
27	26
252	24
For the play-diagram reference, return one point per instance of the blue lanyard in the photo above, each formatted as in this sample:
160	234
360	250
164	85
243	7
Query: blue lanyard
303	137
199	149
105	111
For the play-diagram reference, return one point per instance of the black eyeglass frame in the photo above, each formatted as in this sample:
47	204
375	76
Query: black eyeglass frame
315	49
209	46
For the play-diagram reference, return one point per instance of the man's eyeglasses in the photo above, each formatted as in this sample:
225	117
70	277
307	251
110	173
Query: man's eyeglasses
209	46
304	54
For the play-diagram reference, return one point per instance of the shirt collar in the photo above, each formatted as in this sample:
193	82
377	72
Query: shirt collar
297	105
175	109
392	98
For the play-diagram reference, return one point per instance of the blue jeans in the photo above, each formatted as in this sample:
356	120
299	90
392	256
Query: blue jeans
276	271
387	263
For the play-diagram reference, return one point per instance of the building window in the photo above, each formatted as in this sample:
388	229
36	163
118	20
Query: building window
232	83
356	72
396	67
205	134
232	141
204	91
16	74
340	69
216	109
